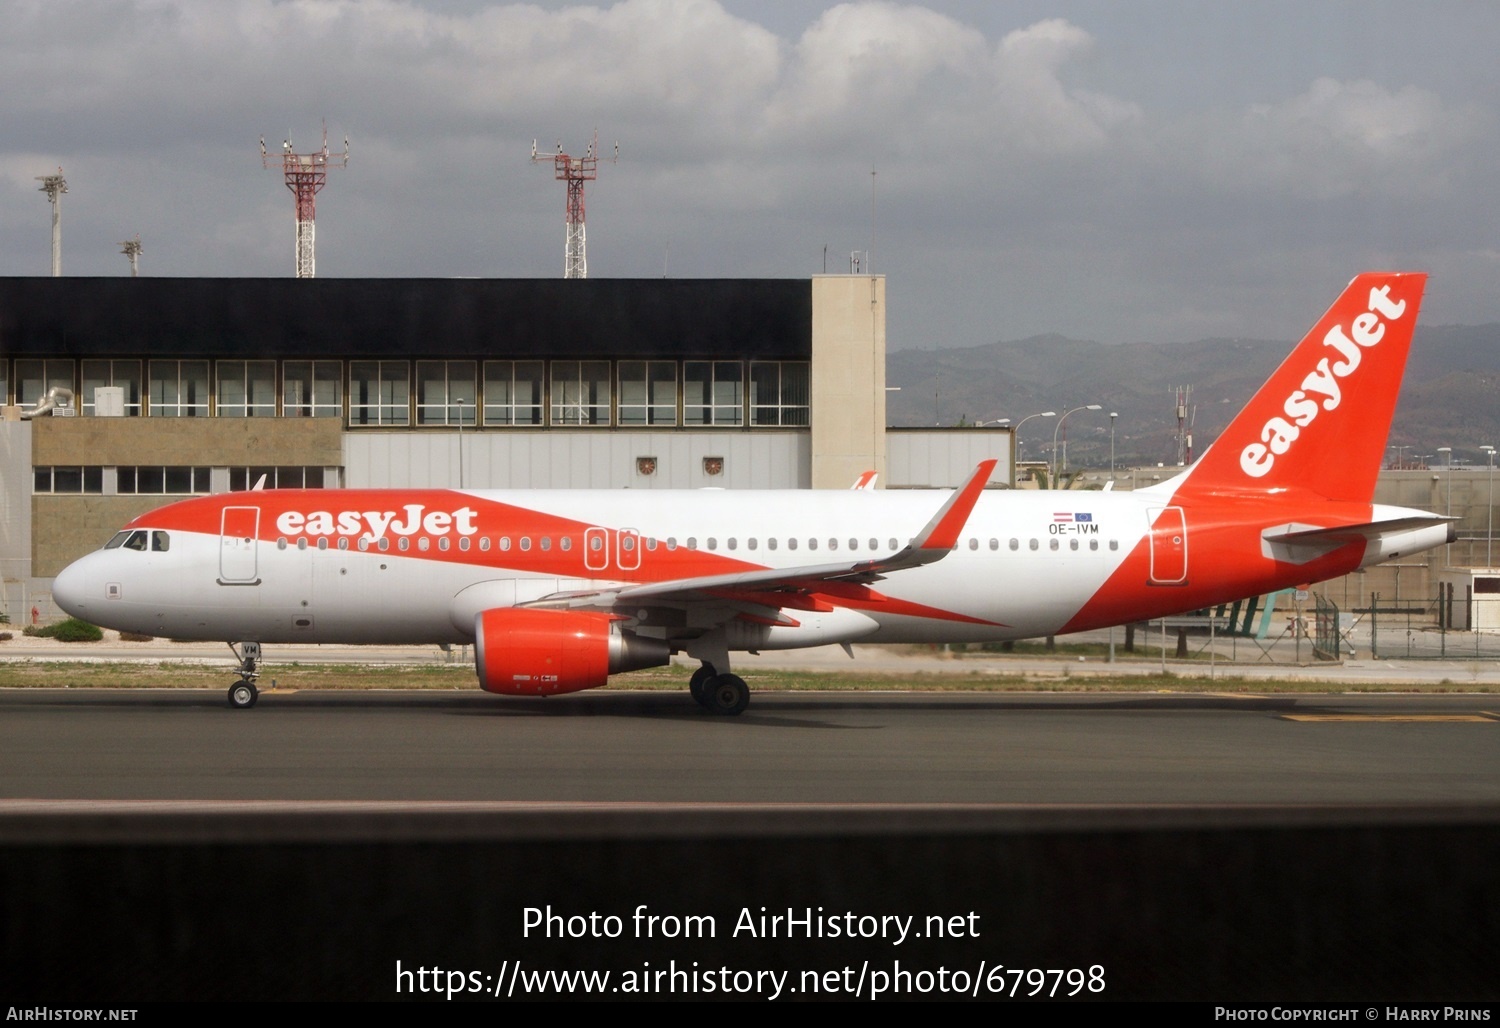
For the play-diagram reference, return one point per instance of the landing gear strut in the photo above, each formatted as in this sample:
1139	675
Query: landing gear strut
719	694
243	694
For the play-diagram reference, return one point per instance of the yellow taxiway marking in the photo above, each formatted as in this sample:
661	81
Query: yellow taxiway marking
1391	717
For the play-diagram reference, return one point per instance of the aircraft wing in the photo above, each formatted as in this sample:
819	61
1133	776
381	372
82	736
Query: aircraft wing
769	586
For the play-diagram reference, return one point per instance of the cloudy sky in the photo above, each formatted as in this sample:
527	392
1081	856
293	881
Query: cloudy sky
1146	171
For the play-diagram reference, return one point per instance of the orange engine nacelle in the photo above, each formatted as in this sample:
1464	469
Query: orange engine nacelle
525	652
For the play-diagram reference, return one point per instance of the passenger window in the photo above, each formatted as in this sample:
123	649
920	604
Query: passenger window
973	544
1035	545
791	544
160	542
771	543
505	542
874	545
384	544
692	542
713	544
403	544
751	543
1072	544
364	542
484	543
893	544
833	544
343	543
733	543
443	542
812	544
994	544
280	544
565	543
525	543
1052	544
1015	544
671	542
423	543
596	543
651	544
854	544
628	544
302	543
1093	544
463	543
1114	544
546	542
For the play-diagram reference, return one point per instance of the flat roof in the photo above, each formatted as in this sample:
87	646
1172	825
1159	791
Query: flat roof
245	318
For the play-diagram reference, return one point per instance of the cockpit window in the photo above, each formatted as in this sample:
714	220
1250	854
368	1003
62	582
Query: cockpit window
117	541
135	541
161	542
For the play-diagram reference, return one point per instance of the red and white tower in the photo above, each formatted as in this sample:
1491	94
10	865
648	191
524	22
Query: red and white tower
575	171
306	174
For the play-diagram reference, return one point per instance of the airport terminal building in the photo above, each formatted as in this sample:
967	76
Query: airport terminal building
120	394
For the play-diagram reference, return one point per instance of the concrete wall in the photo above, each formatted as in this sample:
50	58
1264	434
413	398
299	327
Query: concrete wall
926	458
560	459
187	441
848	379
15	519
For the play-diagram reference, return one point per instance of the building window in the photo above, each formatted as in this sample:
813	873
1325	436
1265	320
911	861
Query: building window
379	393
4	382
713	393
35	377
580	392
247	389
101	374
778	391
513	392
312	389
446	393
156	481
179	389
66	480
241	479
648	393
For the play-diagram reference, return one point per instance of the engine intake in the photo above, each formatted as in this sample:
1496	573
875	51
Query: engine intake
526	652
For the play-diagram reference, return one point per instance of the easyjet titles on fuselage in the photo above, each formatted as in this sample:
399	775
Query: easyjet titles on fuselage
1278	434
374	523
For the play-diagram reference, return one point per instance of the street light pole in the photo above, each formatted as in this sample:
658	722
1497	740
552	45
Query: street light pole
1112	415
1489	526
1015	433
1052	467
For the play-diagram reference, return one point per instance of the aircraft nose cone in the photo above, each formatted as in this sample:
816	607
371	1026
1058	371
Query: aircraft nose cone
70	589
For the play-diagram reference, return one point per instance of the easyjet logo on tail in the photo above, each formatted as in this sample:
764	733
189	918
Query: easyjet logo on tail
1320	389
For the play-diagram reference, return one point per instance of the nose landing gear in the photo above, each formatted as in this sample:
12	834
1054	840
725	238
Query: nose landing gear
243	693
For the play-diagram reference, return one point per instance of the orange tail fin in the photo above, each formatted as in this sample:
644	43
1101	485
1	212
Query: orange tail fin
1321	421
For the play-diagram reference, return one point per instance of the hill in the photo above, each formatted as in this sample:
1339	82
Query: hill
1450	397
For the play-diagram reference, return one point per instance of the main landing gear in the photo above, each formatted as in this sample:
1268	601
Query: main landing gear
243	693
719	694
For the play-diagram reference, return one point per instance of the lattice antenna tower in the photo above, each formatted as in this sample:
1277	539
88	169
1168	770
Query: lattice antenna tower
132	249
306	174
575	171
1186	412
55	186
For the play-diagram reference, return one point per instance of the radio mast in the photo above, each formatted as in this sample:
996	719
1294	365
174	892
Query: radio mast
575	171
306	174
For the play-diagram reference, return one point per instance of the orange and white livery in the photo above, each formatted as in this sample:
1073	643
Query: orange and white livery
557	590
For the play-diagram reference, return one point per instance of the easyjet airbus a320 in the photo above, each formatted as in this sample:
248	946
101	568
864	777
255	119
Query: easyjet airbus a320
558	590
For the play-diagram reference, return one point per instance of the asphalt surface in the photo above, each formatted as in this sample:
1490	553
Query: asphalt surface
788	748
